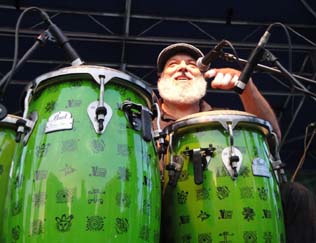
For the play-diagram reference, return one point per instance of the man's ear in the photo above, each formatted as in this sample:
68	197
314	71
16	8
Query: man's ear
159	77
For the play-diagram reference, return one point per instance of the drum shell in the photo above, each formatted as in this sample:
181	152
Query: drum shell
247	209
78	185
7	149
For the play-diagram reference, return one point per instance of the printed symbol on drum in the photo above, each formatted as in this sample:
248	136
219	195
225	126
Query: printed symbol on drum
98	171
40	175
123	173
203	194
146	207
65	195
225	214
184	219
144	233
244	171
121	126
146	181
222	192
267	214
280	213
42	150
68	170
73	103
95	223
255	151
263	193
123	149
63	223
50	106
205	238
16	230
157	212
123	199
18	181
186	238
277	194
123	91
149	158
16	207
52	89
226	236
246	192
37	227
203	215
121	225
267	236
182	197
156	236
248	213
39	199
97	145
94	196
184	175
69	145
77	83
221	171
250	237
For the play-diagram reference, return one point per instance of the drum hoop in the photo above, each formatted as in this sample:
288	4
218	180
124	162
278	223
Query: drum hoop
10	121
93	72
236	120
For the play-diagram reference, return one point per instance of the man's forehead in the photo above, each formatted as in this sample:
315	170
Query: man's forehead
181	56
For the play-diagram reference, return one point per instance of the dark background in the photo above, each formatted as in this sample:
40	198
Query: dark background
128	35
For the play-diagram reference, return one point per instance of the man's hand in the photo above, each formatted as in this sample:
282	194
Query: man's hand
224	78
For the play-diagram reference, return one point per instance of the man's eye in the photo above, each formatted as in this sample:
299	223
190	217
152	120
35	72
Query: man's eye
172	64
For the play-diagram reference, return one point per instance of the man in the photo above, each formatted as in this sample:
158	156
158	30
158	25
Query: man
182	87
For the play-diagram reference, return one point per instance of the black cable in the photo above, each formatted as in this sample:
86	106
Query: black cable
300	35
5	81
309	9
235	53
289	43
306	147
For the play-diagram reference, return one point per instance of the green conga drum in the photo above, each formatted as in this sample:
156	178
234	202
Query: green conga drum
8	128
89	171
219	183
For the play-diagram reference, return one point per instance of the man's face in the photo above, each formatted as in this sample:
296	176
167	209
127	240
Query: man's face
181	80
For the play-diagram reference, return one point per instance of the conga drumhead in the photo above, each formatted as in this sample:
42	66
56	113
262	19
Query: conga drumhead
91	72
222	117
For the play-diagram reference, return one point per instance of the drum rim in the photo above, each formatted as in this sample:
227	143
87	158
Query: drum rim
38	83
207	117
42	81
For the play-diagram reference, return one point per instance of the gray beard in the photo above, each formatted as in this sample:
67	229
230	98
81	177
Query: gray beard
187	92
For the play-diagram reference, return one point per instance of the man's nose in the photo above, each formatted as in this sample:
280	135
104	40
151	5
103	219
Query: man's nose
182	66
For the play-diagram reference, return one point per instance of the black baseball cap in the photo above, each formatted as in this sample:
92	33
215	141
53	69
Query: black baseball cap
174	49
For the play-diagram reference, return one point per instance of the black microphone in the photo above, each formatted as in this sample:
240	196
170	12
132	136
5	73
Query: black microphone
203	63
62	40
253	60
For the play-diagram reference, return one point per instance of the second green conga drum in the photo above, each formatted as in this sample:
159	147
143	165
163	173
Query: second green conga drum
219	184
